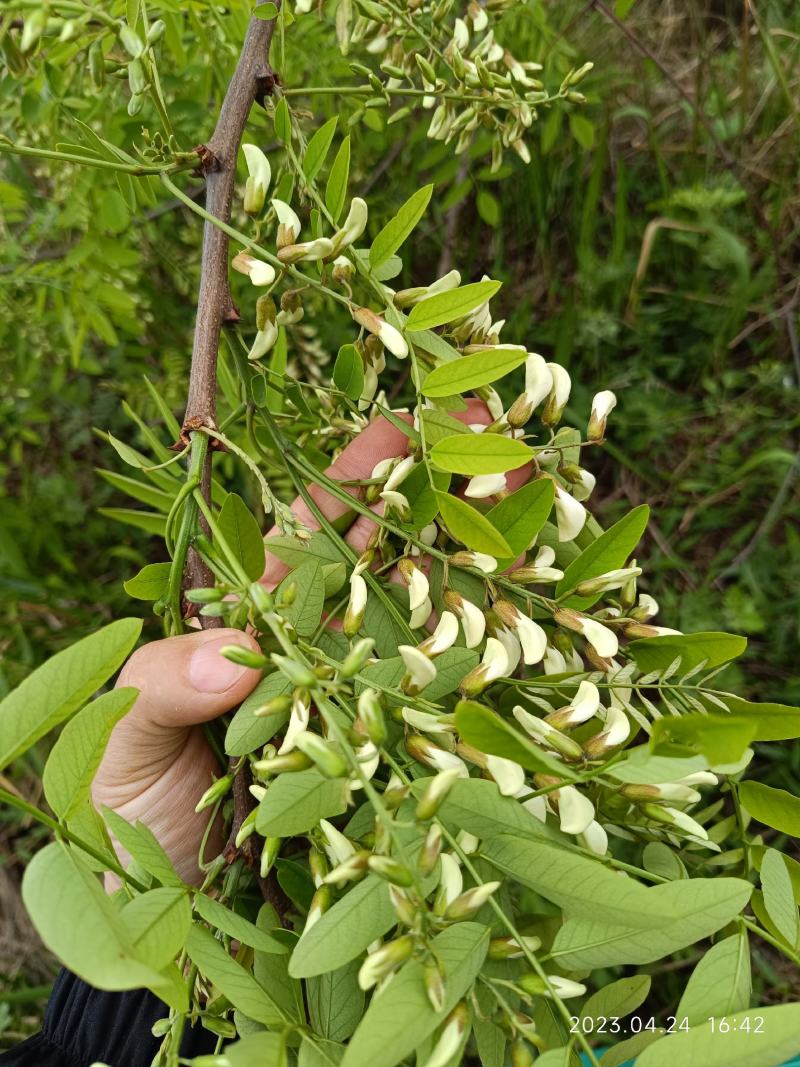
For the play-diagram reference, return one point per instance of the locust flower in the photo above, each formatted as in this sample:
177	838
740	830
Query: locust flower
450	1038
426	722
354	225
409	297
615	732
542	731
443	637
480	560
307	252
610	580
678	820
388	334
420	670
288	224
468	904
424	751
259	177
258	272
483	485
602	640
338	847
451	882
530	634
384	961
575	811
264	341
602	406
298	720
581	709
356	606
558	396
570	515
541	570
595	838
494	665
473	621
509	776
419	601
538	386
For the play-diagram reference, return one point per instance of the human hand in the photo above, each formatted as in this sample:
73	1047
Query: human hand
158	762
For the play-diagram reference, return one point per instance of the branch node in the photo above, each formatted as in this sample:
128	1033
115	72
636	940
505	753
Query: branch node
208	161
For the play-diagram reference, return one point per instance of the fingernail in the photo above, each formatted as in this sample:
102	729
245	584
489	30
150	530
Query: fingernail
209	672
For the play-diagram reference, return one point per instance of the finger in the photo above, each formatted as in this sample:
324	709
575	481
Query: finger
184	680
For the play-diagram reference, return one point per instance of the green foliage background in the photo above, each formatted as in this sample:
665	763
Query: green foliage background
650	247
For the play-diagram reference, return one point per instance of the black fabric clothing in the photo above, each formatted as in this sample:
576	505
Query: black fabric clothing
83	1025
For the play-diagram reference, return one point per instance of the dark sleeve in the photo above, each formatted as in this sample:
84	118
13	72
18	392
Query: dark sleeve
83	1025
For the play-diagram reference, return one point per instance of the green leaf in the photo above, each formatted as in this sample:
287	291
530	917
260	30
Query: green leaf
305	611
76	755
293	552
79	923
466	524
236	926
473	371
779	896
318	148
232	980
657	653
489	732
297	801
400	1016
242	535
142	520
771	722
764	1037
477	806
421	494
678	913
62	685
719	738
141	491
267	12
773	807
336	189
396	230
447	307
141	844
617	999
150	583
348	372
609	552
625	1052
485	453
521	515
157	923
335	1002
283	122
720	984
127	454
248	732
451	666
438	424
343	932
260	1048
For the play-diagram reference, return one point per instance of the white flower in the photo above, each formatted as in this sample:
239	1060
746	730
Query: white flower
289	223
508	640
532	638
259	176
321	248
298	723
450	1038
426	722
421	671
480	560
595	838
602	406
483	485
584	488
473	623
354	224
493	402
302	7
495	660
399	473
565	987
647	607
393	340
358	594
699	778
575	811
264	341
468	842
559	394
570	515
536	806
397	501
617	728
259	273
554	662
583	706
602	640
369	757
451	880
338	847
460	35
438	758
510	777
448	281
684	822
443	637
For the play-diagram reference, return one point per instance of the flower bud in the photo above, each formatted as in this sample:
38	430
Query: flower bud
451	1036
508	948
677	820
278	705
435	988
356	606
610	580
494	665
328	761
602	406
564	988
258	272
247	828
424	751
471	902
289	763
357	657
674	792
389	335
352	869
436	793
603	640
420	670
431	848
214	792
558	396
245	657
381	963
480	560
297	673
390	870
541	730
343	269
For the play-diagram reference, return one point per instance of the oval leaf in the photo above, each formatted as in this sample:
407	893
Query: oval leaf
473	371
467	524
483	453
395	232
609	552
447	307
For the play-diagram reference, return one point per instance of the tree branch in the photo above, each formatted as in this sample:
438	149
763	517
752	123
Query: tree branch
252	80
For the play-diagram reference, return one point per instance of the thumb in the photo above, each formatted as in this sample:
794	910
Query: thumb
184	680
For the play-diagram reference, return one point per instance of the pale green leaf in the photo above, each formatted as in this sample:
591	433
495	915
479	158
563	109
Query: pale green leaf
778	895
720	984
472	371
609	552
230	978
62	685
617	999
141	844
485	453
150	583
521	515
236	926
335	1002
305	610
657	653
296	802
489	732
774	807
157	923
336	189
348	372
397	229
764	1037
318	148
447	307
243	536
247	732
469	526
76	755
